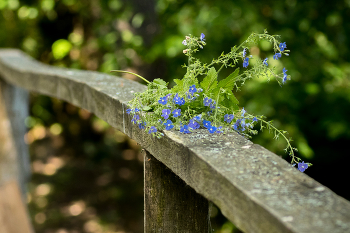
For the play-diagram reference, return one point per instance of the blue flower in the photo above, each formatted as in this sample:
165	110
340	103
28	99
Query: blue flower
228	118
283	46
206	124
202	37
239	125
177	112
189	95
178	100
219	129
246	62
255	119
207	101
244	52
265	62
284	80
284	70
198	118
212	105
200	90
166	113
142	125
302	166
184	42
276	56
169	125
135	119
168	96
152	130
128	111
212	129
163	100
243	111
137	110
193	89
193	124
184	129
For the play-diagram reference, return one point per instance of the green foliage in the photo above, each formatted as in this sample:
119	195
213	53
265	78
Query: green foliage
214	105
210	81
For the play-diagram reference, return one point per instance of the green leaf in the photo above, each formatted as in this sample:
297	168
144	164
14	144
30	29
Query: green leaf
232	97
179	85
210	81
229	82
160	82
146	108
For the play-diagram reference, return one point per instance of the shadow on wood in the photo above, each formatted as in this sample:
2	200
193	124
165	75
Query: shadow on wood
170	204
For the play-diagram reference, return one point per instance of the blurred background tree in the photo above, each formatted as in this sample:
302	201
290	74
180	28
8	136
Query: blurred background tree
87	177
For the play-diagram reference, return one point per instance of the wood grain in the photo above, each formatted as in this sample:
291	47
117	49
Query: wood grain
171	205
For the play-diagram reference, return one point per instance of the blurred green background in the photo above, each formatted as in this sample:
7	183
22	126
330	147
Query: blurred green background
88	177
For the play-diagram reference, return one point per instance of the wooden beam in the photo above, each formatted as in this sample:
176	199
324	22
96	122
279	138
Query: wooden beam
13	212
14	154
171	205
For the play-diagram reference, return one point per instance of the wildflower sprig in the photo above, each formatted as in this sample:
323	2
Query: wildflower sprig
210	103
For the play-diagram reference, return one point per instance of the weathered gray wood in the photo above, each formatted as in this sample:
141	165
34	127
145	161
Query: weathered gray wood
14	160
170	204
14	156
257	190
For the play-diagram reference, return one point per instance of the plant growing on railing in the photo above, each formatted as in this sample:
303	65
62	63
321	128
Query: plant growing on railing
210	103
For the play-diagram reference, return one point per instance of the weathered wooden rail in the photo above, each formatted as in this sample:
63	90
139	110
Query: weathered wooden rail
254	188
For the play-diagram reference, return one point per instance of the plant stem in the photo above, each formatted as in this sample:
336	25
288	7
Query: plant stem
124	71
291	151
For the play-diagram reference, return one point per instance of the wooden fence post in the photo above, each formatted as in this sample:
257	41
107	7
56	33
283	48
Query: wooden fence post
170	204
14	160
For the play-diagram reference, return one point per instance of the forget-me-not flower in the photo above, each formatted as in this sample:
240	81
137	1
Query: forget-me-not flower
228	118
152	130
246	62
207	101
168	125
212	105
243	111
283	46
166	113
163	100
265	62
193	89
302	166
135	119
193	124
206	124
219	129
184	129
202	37
211	129
276	56
177	112
198	118
178	100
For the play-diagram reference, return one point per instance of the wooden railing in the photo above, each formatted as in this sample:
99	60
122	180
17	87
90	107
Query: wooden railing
254	188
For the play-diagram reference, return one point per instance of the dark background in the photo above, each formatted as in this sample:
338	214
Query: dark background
87	177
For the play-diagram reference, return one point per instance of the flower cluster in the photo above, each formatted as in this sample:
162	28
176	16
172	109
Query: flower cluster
210	103
172	106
